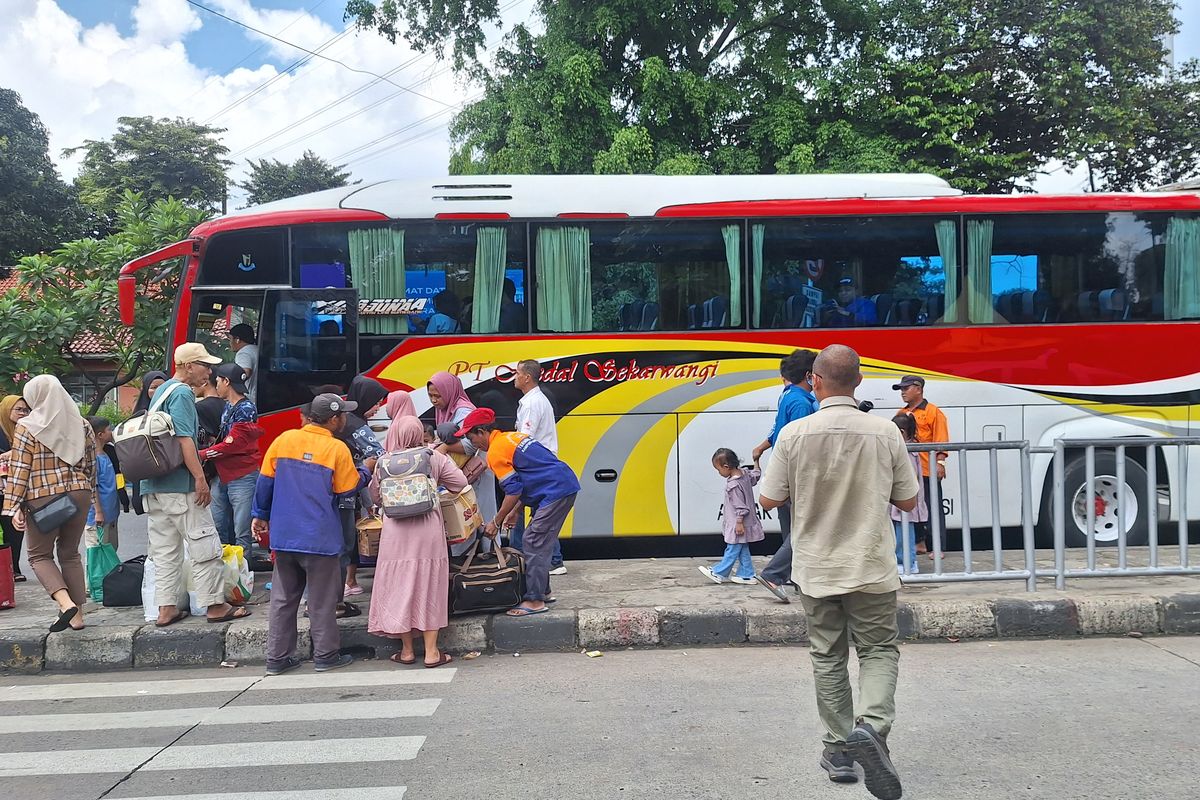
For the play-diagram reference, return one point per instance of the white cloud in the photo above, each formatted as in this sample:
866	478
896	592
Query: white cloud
79	80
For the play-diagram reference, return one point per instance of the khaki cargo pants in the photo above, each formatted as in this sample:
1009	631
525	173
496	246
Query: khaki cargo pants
870	620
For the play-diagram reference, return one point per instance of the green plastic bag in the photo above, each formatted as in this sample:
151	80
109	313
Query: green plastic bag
101	559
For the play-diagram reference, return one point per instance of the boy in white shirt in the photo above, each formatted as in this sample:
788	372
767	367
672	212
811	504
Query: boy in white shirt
535	418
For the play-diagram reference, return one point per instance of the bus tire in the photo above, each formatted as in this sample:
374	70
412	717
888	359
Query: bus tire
1137	531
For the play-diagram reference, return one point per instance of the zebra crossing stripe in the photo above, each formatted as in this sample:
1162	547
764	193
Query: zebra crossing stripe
211	756
353	793
228	715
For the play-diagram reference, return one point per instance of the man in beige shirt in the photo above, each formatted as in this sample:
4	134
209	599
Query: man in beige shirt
841	468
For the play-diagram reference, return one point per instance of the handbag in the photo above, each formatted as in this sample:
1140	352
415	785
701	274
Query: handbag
472	468
53	514
101	559
492	581
146	446
8	587
123	586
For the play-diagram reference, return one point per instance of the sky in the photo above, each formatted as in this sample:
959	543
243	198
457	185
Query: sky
80	64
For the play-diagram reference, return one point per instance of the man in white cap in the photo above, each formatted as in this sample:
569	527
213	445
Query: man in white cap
177	503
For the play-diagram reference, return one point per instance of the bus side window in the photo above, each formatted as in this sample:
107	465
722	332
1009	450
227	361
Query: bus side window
251	258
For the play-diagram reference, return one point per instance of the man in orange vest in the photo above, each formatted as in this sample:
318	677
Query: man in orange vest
931	427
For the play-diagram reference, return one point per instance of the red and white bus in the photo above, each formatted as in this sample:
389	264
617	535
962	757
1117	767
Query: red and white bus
659	308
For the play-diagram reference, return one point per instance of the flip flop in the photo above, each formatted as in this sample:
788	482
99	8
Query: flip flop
64	619
19	578
446	659
406	661
232	615
521	611
179	615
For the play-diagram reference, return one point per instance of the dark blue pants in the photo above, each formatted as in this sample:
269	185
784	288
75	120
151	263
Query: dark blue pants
538	544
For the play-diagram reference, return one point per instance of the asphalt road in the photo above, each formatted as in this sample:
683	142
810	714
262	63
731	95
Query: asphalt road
1081	719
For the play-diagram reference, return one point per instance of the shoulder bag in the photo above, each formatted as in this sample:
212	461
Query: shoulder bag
146	445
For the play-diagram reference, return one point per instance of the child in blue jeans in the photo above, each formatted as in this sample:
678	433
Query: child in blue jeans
741	523
908	428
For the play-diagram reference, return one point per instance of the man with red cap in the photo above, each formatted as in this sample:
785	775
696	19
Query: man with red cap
530	475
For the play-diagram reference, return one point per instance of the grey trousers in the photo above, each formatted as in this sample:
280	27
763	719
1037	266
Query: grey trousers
321	575
538	545
779	569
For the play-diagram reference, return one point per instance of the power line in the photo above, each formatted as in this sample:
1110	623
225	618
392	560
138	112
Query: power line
362	159
317	54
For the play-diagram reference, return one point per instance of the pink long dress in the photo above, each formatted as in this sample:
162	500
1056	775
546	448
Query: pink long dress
412	573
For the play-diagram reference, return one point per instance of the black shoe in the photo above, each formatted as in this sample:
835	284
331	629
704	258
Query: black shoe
283	666
345	659
870	750
839	766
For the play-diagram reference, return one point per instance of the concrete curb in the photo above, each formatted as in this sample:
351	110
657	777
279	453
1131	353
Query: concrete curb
196	643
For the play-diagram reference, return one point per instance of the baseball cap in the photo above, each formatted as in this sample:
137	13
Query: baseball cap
325	407
909	380
244	332
846	281
234	374
480	416
191	352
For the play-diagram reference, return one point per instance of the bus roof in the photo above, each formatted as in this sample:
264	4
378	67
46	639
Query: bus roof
542	196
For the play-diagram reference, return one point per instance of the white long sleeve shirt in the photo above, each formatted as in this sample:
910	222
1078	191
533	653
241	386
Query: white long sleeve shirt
535	417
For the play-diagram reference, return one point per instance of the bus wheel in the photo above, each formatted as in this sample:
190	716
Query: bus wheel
1105	501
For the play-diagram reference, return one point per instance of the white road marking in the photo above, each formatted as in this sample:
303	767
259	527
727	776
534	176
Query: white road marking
356	793
273	754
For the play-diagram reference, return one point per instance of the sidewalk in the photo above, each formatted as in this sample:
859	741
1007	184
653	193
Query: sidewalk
626	603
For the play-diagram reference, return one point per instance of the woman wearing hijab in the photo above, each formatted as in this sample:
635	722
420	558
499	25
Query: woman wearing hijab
364	447
450	407
150	383
53	455
13	409
400	404
412	575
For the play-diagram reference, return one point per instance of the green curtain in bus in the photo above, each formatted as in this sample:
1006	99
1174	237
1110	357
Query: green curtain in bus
491	255
947	242
757	235
1181	279
733	257
377	270
979	271
564	279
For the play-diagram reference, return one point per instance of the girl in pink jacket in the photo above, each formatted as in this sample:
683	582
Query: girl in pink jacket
740	517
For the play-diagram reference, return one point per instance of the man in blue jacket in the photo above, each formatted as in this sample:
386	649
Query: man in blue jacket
796	402
303	475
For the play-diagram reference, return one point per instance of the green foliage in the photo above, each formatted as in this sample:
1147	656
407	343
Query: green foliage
73	291
275	180
982	92
37	210
157	159
110	411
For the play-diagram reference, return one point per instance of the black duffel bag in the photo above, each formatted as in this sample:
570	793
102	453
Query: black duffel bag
492	581
123	586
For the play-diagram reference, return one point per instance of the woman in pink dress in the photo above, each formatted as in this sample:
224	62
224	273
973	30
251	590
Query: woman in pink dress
412	573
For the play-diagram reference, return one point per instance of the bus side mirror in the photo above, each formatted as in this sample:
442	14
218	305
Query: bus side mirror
127	298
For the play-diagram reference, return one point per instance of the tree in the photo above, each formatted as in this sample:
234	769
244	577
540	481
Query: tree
37	210
156	159
275	180
74	291
982	92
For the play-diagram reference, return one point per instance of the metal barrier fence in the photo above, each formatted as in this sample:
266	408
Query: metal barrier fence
1096	496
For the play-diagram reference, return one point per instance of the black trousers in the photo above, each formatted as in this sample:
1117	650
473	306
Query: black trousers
925	529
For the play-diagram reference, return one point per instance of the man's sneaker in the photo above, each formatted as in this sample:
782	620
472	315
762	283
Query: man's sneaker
341	661
712	576
839	766
870	750
745	581
561	569
283	666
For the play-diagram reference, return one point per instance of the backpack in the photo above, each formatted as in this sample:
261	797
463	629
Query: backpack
146	446
406	485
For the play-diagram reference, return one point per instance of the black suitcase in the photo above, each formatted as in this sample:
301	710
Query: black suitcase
123	586
482	582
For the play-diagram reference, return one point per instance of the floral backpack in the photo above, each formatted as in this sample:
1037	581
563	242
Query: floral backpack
406	485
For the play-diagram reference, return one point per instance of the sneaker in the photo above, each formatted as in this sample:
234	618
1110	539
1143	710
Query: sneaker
839	766
284	666
712	576
774	589
345	659
870	750
350	591
751	581
561	569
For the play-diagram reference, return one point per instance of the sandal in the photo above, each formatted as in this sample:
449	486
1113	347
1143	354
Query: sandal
232	615
445	659
19	578
522	611
64	619
179	615
406	661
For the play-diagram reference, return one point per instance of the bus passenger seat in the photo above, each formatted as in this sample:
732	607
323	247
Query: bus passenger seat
905	312
793	310
631	315
1113	304
1087	307
693	316
883	307
720	312
649	317
935	307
